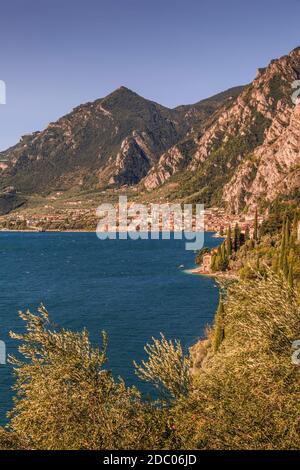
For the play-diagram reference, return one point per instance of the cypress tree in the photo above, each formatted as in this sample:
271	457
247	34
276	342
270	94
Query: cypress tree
218	262
247	233
219	333
213	263
295	228
282	255
224	262
255	231
286	240
236	237
275	264
285	267
229	242
242	238
223	253
291	276
287	233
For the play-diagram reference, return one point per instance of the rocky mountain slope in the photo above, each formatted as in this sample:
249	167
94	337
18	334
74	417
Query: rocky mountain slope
249	153
113	141
238	149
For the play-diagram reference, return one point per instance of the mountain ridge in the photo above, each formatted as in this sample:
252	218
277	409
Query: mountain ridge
216	167
238	148
110	142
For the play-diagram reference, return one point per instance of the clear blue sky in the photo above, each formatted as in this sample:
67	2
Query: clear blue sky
57	54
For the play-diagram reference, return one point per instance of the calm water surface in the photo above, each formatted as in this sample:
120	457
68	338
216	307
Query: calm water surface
132	289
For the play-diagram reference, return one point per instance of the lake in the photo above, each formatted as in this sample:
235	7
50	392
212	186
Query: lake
132	289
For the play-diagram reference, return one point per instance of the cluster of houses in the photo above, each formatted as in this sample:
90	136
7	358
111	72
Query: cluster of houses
50	219
217	220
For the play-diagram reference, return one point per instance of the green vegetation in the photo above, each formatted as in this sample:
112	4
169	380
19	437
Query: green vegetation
273	245
228	249
255	230
246	395
219	332
276	246
206	184
167	368
237	389
67	398
278	88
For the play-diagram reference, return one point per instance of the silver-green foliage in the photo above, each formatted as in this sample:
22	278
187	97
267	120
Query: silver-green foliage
167	367
66	397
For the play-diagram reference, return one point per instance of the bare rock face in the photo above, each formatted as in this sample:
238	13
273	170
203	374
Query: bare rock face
113	141
172	161
239	148
195	146
273	167
134	160
248	152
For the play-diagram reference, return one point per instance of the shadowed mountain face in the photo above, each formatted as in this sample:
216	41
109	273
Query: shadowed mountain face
113	141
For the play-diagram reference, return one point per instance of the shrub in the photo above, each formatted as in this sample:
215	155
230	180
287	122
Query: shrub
246	396
67	399
167	368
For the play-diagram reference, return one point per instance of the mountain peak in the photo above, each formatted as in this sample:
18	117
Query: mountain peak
222	148
124	88
121	93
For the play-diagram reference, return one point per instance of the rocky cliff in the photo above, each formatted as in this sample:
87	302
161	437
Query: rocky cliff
249	153
239	148
113	141
274	167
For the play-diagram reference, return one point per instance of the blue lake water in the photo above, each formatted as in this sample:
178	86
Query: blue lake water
132	289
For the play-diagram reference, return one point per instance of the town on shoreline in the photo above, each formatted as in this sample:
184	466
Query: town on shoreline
73	218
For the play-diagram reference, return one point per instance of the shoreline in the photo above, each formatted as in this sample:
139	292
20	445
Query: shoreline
47	231
83	231
216	275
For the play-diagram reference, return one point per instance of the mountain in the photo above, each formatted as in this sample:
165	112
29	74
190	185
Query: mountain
237	149
113	141
274	167
248	154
